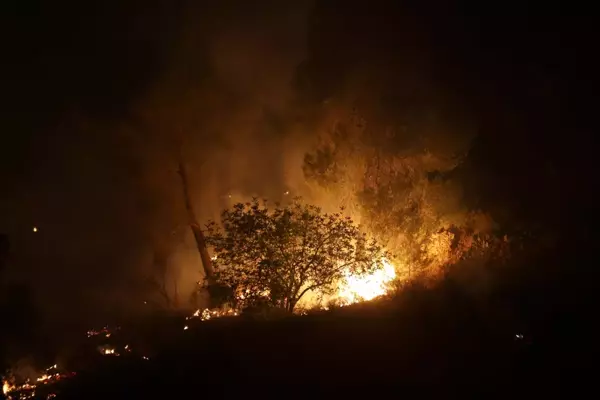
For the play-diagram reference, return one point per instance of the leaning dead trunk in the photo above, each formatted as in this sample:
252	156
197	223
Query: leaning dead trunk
198	234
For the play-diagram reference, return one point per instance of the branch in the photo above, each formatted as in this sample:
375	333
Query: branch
316	285
320	245
284	256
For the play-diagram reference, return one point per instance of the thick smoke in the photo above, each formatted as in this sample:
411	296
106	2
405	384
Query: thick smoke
276	87
242	92
131	88
225	101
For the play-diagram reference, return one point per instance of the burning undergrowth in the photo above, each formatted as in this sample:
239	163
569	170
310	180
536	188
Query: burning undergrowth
42	386
21	383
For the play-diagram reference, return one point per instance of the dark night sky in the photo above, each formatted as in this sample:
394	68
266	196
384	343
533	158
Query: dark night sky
73	76
64	60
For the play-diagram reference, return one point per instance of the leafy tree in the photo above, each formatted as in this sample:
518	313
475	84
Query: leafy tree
275	256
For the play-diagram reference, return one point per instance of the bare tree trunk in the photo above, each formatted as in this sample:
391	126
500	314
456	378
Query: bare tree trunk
291	305
198	234
176	294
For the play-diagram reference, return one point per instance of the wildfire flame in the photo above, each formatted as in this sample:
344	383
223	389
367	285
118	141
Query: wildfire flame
352	289
27	389
108	351
357	288
104	331
206	314
7	387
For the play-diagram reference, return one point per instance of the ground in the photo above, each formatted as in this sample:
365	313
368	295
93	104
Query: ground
429	348
530	336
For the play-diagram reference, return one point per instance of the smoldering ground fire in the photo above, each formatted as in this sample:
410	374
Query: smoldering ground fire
350	290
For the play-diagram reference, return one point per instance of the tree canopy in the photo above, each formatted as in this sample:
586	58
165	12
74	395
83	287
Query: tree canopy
274	256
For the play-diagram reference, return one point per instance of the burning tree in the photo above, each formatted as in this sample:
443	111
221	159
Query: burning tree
396	175
273	257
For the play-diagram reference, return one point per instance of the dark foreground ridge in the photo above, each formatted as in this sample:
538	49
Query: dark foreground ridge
428	342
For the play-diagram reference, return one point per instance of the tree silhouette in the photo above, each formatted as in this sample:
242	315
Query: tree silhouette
275	256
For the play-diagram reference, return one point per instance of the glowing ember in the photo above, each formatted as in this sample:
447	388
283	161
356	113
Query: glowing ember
7	387
216	313
51	375
207	314
354	288
104	331
108	351
27	389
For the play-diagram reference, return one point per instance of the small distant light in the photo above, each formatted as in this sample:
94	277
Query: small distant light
185	328
518	336
145	302
287	192
145	358
229	195
35	229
